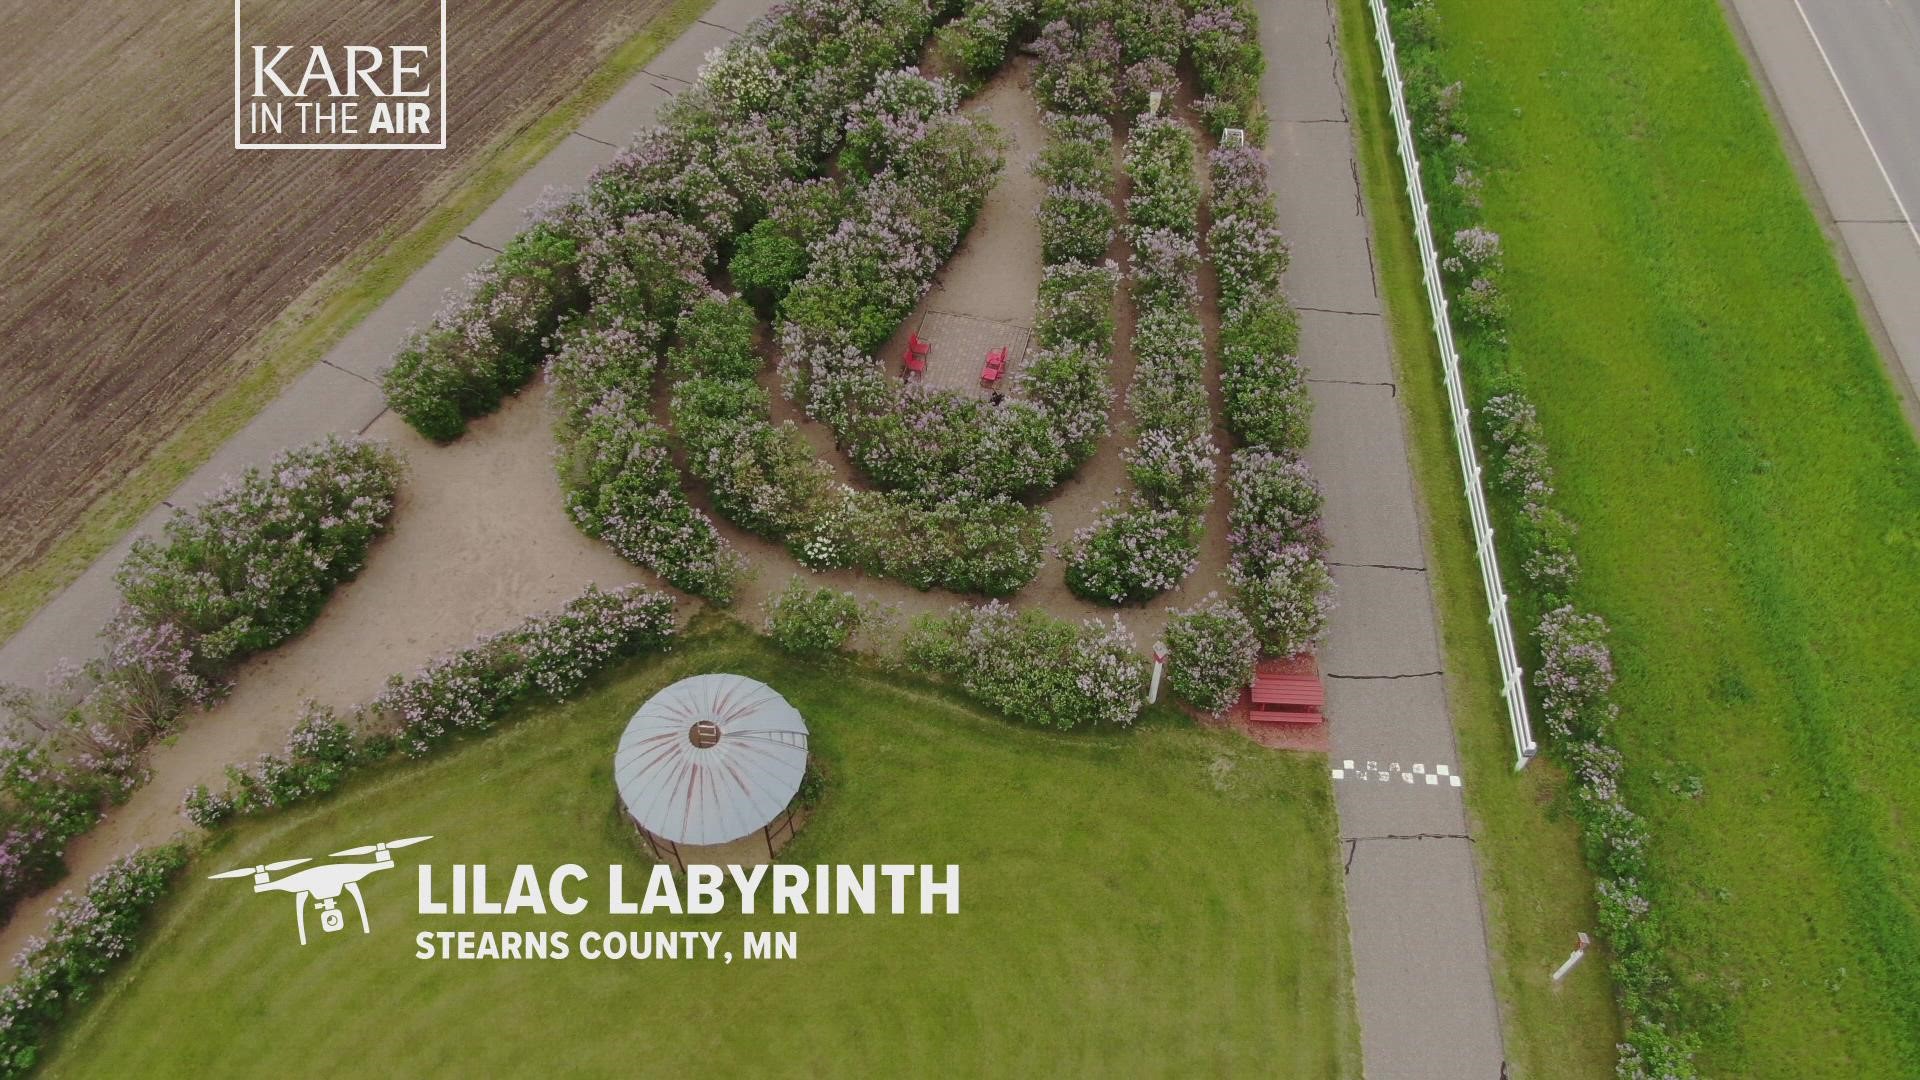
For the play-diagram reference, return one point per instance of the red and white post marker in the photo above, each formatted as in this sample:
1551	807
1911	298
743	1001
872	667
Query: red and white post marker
1159	665
1578	952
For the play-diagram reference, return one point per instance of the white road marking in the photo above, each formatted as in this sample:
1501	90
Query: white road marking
1371	770
1834	74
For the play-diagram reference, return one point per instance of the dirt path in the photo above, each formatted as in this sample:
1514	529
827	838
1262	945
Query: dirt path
454	565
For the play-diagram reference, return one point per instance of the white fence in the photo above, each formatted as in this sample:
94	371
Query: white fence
1512	686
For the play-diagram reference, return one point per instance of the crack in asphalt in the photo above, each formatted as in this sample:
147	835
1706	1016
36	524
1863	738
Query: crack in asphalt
1393	389
1381	565
1353	842
1338	311
1414	675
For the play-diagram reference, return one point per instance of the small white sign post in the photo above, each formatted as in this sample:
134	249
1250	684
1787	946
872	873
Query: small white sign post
1578	952
1159	665
1153	103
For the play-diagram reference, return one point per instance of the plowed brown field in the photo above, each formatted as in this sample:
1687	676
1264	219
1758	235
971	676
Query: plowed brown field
140	254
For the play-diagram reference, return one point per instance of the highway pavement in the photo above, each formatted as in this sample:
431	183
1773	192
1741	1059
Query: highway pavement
1844	79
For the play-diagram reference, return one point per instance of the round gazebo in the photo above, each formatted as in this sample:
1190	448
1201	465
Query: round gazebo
710	759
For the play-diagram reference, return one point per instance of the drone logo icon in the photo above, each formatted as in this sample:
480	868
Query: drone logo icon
323	884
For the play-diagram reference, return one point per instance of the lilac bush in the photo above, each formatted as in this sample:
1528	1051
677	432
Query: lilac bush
1075	305
1261	380
1575	677
1173	470
1075	224
85	935
252	564
47	798
650	267
1275	540
1147	77
1275	502
899	112
1286	594
1078	67
1032	667
1166	191
978	41
813	620
485	340
1130	553
320	751
1228	63
1211	653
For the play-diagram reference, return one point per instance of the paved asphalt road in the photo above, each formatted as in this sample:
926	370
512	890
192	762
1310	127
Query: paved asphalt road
1873	49
1422	975
1844	77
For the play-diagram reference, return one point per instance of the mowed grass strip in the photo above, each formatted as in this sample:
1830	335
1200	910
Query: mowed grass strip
1163	902
1750	505
1536	885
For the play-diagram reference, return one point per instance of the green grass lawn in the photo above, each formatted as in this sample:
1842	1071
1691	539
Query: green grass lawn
1164	901
1750	503
1535	883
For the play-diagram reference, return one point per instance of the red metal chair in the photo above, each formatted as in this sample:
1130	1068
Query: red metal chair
996	365
916	355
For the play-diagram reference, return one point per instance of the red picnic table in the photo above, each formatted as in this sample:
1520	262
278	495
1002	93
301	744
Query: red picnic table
1287	699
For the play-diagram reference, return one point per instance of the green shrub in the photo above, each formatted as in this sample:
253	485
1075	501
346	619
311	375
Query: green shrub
766	263
1211	653
1033	667
803	619
86	934
252	565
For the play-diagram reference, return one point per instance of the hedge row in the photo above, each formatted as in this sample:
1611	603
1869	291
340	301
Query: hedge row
1148	541
616	470
1031	666
936	444
765	478
86	934
1277	565
243	571
547	657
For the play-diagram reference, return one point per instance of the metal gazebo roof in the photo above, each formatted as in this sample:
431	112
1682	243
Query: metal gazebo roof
710	759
